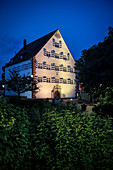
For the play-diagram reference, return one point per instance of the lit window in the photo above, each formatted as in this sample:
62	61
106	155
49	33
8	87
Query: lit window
48	54
71	70
64	81
40	65
53	79
44	65
64	57
56	80
64	69
39	79
48	67
44	79
56	55
52	53
44	51
68	81
71	81
48	80
61	67
61	80
68	68
53	42
57	68
57	73
56	44
53	66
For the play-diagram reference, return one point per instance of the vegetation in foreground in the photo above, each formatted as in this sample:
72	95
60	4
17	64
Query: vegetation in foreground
45	136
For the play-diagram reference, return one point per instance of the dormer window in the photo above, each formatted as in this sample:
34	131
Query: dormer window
53	42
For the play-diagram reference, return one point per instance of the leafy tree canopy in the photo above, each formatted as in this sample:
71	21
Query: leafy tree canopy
20	84
95	66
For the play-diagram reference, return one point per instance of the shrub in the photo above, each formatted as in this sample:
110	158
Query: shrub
14	135
65	141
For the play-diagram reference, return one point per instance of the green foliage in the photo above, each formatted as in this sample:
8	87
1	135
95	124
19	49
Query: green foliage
14	136
106	103
65	141
52	136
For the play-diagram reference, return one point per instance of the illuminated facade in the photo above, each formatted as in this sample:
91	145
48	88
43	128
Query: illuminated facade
50	62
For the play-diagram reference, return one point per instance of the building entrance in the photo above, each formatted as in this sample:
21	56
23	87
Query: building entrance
57	95
56	92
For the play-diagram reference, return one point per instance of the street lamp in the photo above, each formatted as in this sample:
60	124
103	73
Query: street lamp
31	76
3	86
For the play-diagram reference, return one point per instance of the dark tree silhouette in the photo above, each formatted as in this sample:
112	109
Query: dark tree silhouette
95	66
20	84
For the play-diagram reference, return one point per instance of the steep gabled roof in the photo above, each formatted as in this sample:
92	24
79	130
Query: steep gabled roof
30	50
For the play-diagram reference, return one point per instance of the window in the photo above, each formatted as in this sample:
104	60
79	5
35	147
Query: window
68	81
61	55
71	81
61	67
53	42
44	79
64	69
64	57
44	51
40	65
48	54
53	79
64	81
53	66
48	67
68	68
57	73
56	80
56	44
57	68
44	65
52	53
61	80
39	79
56	55
48	80
71	70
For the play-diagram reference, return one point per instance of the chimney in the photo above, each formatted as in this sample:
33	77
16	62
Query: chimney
24	43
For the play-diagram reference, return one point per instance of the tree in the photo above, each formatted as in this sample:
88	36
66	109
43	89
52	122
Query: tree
95	65
21	84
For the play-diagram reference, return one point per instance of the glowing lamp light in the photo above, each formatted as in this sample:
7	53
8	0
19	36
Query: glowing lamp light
3	85
71	99
31	76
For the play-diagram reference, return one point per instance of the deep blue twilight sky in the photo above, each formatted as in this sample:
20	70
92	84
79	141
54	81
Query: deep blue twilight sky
82	23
